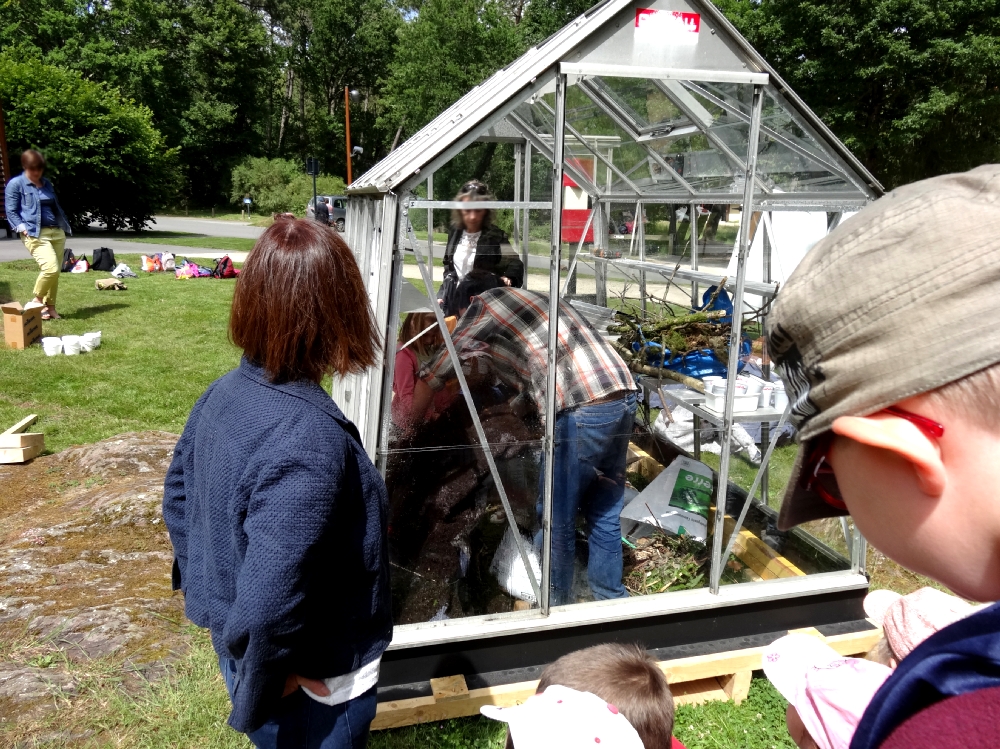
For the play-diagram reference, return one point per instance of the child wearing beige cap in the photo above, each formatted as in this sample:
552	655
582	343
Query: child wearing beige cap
886	337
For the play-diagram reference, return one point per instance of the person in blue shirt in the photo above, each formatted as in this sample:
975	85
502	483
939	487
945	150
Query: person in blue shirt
277	517
34	213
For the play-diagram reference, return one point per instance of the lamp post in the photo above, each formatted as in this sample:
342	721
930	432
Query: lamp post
348	95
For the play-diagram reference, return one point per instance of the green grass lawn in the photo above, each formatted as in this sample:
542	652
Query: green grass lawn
182	239
163	342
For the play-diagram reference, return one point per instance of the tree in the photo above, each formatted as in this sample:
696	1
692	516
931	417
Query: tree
279	185
543	18
351	45
911	86
106	159
202	67
449	47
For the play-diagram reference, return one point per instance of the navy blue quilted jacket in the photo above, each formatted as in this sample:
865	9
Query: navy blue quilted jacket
278	522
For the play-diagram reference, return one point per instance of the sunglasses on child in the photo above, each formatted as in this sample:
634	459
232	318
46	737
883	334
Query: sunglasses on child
817	473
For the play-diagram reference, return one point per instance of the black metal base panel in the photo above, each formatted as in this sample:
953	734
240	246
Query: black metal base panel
513	658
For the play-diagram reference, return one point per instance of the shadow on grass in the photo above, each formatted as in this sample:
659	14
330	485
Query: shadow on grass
5	293
88	312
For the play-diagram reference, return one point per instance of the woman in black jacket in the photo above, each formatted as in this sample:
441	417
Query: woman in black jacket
474	243
277	517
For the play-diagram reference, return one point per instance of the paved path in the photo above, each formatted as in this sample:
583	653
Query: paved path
207	226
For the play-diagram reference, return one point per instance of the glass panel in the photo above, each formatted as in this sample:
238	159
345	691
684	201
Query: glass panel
676	134
452	549
788	160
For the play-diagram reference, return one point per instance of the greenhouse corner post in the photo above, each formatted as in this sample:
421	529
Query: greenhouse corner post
550	383
715	575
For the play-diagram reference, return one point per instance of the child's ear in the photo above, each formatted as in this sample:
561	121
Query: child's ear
904	439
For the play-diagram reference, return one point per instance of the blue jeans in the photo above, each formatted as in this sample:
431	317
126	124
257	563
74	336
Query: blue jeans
590	454
303	723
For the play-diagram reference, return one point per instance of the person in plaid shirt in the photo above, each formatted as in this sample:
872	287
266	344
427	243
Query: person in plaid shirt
595	402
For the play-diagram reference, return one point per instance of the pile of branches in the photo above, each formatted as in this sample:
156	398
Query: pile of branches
677	334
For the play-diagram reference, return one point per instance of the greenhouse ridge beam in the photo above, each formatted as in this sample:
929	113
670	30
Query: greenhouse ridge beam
662	74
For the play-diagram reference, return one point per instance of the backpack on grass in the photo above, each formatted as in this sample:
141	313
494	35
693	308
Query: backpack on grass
69	260
104	259
224	268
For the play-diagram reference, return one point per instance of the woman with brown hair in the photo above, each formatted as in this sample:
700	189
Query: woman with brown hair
475	243
34	213
276	515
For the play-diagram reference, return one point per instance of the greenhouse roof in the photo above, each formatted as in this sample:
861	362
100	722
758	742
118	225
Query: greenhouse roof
659	94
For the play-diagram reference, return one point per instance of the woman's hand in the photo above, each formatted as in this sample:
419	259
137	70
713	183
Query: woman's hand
506	281
294	681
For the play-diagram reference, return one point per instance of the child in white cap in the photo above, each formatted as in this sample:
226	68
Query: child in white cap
564	717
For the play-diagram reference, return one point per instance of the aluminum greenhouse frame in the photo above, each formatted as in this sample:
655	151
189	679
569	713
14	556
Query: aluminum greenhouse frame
751	133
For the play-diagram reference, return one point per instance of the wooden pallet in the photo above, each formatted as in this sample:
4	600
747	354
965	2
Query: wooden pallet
18	446
694	680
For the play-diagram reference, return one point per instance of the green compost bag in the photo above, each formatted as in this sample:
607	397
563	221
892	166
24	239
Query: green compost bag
677	501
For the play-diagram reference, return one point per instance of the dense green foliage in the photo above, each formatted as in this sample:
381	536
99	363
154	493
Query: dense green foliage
911	86
201	66
108	162
278	185
446	50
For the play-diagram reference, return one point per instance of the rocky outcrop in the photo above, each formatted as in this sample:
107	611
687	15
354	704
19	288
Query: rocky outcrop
85	566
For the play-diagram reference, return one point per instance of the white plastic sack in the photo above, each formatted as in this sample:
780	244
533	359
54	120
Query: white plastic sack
509	570
676	501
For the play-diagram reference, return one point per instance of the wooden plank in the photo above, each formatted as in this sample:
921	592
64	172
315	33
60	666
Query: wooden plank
811	631
426	709
25	439
855	643
711	665
645	463
701	678
20	454
22	424
698	692
737	686
449	688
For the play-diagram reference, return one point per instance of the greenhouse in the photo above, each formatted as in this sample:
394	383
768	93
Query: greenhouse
649	172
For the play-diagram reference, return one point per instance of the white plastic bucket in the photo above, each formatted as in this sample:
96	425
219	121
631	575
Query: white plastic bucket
94	339
742	403
754	385
52	346
766	394
780	399
71	344
86	344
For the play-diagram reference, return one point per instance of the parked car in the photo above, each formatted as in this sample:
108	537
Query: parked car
338	210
